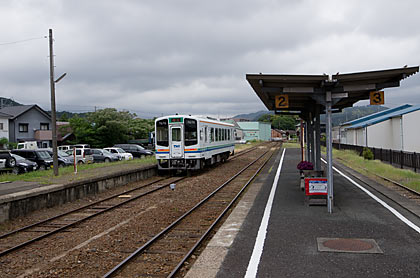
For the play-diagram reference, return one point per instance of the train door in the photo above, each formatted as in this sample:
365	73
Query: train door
176	145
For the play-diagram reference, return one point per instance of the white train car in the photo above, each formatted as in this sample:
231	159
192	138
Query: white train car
191	142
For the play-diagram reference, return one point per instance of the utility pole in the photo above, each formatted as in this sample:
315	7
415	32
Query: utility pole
53	115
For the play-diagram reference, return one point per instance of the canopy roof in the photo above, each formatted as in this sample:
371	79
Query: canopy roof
306	91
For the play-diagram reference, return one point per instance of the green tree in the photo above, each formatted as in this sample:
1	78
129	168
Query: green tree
82	130
284	122
64	117
107	127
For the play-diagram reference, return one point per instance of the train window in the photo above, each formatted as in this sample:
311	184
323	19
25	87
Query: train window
211	134
190	132
217	134
162	133
176	134
223	134
205	134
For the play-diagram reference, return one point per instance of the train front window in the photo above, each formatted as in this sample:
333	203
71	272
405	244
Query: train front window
190	132
162	133
176	134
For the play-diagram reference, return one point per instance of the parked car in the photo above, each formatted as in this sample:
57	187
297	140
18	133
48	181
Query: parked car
118	151
9	160
101	155
65	147
64	159
41	157
81	146
29	145
23	165
82	155
135	150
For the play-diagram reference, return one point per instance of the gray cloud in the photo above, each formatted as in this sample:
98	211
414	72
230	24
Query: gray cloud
185	56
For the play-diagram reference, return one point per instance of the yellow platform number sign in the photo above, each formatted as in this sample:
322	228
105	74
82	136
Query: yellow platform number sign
377	98
282	101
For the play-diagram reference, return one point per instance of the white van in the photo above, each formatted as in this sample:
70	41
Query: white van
29	145
65	147
82	155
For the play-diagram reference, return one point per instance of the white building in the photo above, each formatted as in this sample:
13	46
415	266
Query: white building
396	129
4	125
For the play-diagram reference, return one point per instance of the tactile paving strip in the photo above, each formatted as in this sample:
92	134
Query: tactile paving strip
348	245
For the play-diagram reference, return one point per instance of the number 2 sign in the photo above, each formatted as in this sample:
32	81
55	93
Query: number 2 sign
377	98
282	101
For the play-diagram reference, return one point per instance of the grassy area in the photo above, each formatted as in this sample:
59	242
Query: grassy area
249	144
367	167
291	145
83	171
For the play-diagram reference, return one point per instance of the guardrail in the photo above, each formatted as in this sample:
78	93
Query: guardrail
397	158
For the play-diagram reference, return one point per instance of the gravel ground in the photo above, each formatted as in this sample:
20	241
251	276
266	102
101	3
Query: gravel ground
95	246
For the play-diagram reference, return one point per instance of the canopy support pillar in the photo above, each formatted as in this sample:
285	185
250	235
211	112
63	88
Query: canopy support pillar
330	190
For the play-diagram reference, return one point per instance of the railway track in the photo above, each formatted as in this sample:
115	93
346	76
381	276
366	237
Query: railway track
27	235
392	185
167	251
400	188
412	193
56	245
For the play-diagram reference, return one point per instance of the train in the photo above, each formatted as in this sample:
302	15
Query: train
184	142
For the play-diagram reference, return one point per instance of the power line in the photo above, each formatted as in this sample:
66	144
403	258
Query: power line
21	41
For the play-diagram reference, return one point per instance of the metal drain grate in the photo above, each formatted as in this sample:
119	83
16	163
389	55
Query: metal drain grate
348	245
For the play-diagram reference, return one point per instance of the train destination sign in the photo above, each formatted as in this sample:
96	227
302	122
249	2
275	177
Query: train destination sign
377	98
175	120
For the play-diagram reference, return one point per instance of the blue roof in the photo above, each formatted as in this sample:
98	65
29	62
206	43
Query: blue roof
381	118
376	115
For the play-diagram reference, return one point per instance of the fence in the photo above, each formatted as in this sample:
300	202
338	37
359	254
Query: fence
397	158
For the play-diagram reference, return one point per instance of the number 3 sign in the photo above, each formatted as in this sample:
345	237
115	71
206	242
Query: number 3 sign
282	101
377	98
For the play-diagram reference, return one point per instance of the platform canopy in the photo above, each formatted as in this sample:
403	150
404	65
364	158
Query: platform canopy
311	95
304	91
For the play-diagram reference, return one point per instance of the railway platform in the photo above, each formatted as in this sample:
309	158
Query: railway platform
272	232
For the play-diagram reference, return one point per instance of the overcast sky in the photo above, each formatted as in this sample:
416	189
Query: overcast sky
162	57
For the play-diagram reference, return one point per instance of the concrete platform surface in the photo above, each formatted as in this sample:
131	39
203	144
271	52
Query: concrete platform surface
361	238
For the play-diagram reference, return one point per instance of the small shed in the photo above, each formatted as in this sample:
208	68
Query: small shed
256	130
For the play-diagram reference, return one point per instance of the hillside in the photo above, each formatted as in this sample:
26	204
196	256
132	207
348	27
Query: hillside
252	116
7	102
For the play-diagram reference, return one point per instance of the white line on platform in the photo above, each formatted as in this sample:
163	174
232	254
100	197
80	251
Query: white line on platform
252	269
388	207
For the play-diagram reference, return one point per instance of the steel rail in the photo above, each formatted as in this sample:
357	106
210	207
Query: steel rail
229	206
25	228
75	210
391	181
173	224
397	184
377	190
14	248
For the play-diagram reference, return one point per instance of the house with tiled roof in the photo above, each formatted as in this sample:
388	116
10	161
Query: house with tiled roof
28	123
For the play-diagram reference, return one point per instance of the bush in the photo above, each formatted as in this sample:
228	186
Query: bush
367	154
305	165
